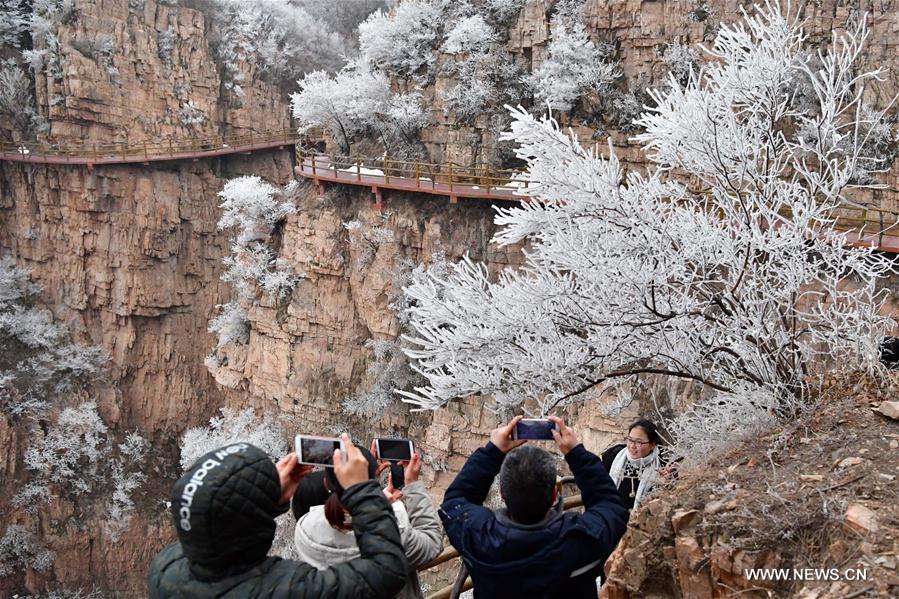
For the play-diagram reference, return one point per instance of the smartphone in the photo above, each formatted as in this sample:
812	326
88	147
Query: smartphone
534	429
394	450
318	451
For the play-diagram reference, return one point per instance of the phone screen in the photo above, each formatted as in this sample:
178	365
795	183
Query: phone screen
534	429
395	450
317	450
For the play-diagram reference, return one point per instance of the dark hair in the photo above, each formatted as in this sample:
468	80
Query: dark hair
527	481
335	512
310	491
652	432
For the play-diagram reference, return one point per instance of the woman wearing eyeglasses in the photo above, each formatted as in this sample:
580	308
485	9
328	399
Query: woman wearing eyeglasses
636	466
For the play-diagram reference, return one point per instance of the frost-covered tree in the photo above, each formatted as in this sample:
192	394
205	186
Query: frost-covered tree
15	20
403	42
358	101
486	76
737	279
19	549
573	67
232	427
17	100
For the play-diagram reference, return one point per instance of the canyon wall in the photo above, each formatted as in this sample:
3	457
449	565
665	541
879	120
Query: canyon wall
130	256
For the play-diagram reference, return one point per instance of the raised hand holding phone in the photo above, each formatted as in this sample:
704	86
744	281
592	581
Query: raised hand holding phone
564	436
502	437
290	471
355	469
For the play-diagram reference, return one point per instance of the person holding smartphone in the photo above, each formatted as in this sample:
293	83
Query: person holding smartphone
532	548
224	511
324	538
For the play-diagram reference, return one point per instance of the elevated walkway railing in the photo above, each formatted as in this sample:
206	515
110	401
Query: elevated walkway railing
170	148
871	226
449	179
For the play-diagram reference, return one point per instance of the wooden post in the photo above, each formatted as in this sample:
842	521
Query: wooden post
451	176
417	175
358	171
314	157
386	172
334	164
487	177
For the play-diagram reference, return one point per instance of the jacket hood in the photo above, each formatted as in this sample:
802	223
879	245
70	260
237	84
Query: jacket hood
224	508
321	545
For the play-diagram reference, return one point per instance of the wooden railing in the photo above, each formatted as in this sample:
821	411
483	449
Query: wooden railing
136	151
424	175
463	582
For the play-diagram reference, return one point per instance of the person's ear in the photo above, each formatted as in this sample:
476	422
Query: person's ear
555	494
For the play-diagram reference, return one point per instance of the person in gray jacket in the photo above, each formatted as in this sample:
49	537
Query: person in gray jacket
323	537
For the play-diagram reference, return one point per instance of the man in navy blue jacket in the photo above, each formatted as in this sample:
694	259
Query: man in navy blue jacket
531	548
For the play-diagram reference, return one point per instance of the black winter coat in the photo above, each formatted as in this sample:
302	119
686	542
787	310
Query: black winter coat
557	557
224	509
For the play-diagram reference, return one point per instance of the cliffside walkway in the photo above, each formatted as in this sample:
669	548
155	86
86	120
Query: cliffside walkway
144	152
878	226
449	180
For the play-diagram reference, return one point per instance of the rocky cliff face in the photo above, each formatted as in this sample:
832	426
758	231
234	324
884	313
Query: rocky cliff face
130	255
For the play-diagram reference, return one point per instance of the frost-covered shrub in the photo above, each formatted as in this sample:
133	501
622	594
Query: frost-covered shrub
404	43
165	43
252	265
486	75
46	17
71	451
280	40
573	67
20	549
231	325
192	115
125	481
471	35
389	369
15	21
251	206
501	11
711	428
232	427
76	456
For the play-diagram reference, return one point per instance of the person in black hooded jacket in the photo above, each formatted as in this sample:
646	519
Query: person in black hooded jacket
224	510
532	548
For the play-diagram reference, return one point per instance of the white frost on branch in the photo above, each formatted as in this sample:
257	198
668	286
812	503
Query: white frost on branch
741	283
232	427
358	101
402	43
